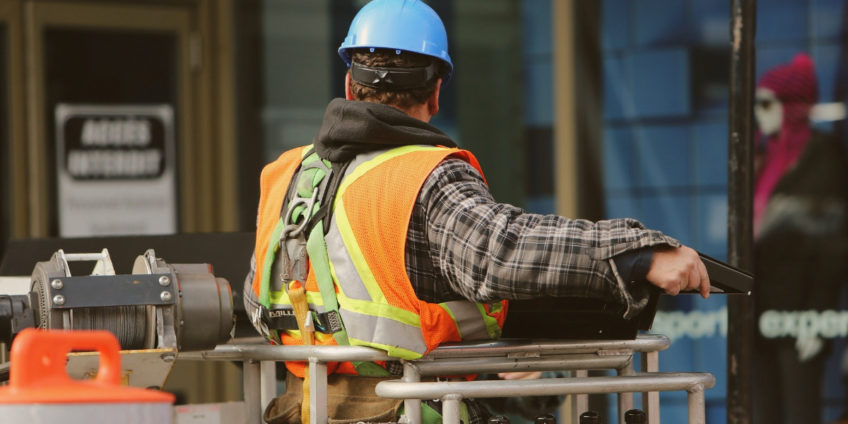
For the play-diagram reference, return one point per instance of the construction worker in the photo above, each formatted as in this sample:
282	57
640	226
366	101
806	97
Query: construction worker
383	233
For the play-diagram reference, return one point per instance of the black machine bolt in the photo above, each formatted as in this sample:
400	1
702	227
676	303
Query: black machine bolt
545	419
635	416
590	417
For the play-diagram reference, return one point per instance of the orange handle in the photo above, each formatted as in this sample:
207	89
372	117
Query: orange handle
39	356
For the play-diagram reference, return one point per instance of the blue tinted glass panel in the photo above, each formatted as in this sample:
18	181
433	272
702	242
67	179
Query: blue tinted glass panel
710	153
536	18
618	96
670	213
826	18
660	83
664	155
781	20
711	223
660	22
538	96
616	24
619	159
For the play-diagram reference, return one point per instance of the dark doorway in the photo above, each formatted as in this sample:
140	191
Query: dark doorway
105	67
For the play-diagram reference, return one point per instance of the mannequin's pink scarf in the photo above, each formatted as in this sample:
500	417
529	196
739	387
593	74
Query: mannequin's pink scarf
795	86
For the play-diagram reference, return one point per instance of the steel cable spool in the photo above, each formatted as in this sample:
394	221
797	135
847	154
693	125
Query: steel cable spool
159	305
128	323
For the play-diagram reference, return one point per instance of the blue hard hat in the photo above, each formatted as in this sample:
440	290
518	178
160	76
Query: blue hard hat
407	25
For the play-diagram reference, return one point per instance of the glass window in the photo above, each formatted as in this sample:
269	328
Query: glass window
665	143
800	159
665	97
538	120
301	72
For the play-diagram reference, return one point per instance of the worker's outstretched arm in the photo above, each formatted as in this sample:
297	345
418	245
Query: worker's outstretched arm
490	251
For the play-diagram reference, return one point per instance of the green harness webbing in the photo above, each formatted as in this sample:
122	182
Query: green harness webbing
302	213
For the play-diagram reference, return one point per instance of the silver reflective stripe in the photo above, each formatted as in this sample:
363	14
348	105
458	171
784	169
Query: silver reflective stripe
468	319
383	331
350	281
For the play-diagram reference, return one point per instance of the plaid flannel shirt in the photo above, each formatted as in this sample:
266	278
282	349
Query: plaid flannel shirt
461	244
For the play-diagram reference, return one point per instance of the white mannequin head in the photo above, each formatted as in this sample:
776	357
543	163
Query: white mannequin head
768	111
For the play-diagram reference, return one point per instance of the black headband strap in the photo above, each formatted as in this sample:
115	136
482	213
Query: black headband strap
393	78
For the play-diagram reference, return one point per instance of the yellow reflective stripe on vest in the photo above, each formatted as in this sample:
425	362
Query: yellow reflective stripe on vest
469	322
369	319
369	282
342	264
491	323
378	160
391	350
340	215
399	339
366	307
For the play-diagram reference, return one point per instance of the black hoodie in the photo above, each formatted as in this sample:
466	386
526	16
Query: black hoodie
353	127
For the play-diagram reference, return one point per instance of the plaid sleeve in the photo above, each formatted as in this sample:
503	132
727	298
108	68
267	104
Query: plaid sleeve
489	251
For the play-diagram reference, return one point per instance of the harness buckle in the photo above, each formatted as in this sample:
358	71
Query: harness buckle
293	228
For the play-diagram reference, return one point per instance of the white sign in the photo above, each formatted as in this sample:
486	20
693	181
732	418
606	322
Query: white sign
804	324
693	324
116	170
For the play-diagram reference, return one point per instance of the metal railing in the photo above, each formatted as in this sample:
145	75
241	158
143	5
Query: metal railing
500	356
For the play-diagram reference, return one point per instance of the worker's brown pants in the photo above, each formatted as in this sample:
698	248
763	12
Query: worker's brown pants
350	399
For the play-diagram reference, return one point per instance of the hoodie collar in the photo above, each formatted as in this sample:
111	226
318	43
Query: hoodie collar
353	127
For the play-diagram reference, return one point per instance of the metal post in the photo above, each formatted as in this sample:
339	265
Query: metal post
317	391
696	405
252	396
450	409
268	382
625	399
411	407
651	400
740	335
580	401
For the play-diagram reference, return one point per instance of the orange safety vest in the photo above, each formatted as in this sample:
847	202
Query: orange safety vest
366	250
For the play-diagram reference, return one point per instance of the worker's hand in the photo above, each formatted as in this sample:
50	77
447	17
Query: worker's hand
675	269
524	375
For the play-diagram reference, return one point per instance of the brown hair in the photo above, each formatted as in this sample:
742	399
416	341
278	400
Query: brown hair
390	59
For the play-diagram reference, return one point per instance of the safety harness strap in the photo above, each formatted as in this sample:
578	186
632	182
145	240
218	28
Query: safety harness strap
297	294
316	247
284	319
307	214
